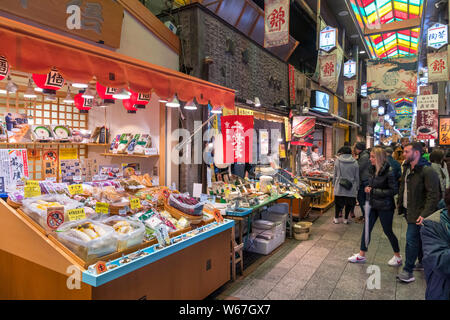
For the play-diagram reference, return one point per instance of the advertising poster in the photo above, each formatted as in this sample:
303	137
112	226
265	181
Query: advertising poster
365	106
303	130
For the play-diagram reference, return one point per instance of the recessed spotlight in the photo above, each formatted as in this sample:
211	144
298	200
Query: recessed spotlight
362	52
343	13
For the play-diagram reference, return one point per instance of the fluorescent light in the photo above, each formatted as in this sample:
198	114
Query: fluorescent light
2	91
362	52
191	106
163	100
37	89
280	140
216	110
122	94
174	103
80	85
50	97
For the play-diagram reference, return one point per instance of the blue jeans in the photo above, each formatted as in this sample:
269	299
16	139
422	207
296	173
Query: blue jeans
362	196
386	218
413	247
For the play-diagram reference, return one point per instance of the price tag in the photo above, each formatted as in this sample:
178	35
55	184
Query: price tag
218	216
75	189
32	183
297	196
76	214
31	191
257	186
295	180
135	203
102	207
150	151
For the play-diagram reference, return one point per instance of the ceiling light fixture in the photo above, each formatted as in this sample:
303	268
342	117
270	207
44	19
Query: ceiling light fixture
29	93
191	106
362	52
216	110
257	102
122	94
88	94
2	91
50	97
69	98
11	87
174	103
343	13
79	85
163	100
37	89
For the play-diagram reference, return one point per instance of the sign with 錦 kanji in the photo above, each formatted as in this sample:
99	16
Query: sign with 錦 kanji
327	40
437	36
444	130
437	66
350	91
350	69
427	116
276	23
328	70
238	138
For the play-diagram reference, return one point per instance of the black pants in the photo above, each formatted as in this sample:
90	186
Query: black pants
341	202
386	218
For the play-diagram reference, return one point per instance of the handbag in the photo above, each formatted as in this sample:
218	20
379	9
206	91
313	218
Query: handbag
344	183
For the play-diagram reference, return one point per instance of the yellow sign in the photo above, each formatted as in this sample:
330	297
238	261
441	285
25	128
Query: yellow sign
68	154
102	207
32	183
227	193
297	196
32	191
245	112
76	214
75	189
269	187
444	130
295	180
257	186
135	203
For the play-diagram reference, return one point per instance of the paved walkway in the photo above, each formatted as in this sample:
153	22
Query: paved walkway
318	268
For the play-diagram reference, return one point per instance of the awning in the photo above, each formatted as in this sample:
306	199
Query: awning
33	50
340	119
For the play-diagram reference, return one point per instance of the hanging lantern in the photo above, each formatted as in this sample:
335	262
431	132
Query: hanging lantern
50	82
142	99
4	67
106	93
82	104
129	104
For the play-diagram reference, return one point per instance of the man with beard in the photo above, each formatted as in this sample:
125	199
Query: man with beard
418	198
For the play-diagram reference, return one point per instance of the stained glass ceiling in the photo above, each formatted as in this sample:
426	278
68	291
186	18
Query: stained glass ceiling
371	13
402	100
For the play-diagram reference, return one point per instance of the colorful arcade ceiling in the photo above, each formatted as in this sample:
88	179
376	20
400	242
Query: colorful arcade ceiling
372	13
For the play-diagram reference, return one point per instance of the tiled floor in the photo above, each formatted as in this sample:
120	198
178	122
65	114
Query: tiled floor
318	268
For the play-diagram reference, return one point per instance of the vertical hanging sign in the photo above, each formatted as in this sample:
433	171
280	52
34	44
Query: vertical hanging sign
276	23
437	36
427	116
350	91
238	138
327	40
437	66
292	87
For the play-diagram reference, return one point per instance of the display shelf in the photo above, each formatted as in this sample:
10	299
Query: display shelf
129	155
154	254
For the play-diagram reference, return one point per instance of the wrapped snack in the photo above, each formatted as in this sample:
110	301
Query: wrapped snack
182	223
87	239
125	139
186	204
42	133
127	232
145	141
61	133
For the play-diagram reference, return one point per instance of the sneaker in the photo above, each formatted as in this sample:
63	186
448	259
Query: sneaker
356	258
418	266
395	261
406	277
345	221
336	221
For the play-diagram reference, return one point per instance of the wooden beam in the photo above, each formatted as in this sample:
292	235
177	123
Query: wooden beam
152	23
394	26
240	15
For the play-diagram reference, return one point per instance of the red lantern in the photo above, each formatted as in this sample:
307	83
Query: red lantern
50	82
82	104
4	67
129	104
106	93
142	99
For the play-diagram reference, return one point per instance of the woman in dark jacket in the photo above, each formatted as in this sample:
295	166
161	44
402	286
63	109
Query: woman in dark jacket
381	190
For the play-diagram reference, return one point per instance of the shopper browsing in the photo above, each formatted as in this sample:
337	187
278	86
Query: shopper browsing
363	156
381	189
346	183
418	198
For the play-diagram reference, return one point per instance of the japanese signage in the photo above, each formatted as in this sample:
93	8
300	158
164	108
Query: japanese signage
276	23
364	90
292	87
392	78
4	67
427	116
238	138
102	207
350	69
31	191
374	115
365	106
68	154
95	20
49	169
437	36
327	40
13	167
403	122
263	141
444	130
437	66
303	130
135	203
425	90
350	91
76	214
328	70
75	189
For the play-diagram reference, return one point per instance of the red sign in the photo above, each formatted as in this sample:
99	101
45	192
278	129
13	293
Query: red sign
292	87
238	138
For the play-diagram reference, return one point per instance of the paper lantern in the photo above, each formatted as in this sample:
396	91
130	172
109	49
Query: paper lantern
106	93
142	99
4	67
129	104
50	82
82	104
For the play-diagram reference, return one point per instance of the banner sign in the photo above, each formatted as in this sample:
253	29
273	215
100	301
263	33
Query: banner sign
425	90
437	36
392	78
374	115
327	40
292	87
238	138
444	130
303	130
350	91
365	106
276	22
427	116
437	66
327	65
403	122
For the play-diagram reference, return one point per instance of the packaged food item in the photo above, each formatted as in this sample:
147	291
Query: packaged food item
114	143
132	144
81	135
42	133
127	232
182	223
145	141
186	204
87	238
61	133
125	139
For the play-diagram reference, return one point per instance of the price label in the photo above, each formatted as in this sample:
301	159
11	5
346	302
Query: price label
76	214
135	203
297	196
102	207
32	183
31	191
295	180
257	186
218	216
75	189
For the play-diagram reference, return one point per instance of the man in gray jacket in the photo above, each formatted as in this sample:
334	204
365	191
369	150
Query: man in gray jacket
364	163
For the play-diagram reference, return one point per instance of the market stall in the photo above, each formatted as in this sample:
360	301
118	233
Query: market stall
88	215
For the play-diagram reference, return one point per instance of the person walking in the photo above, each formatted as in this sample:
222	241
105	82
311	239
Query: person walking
382	188
396	167
363	156
418	198
437	163
346	183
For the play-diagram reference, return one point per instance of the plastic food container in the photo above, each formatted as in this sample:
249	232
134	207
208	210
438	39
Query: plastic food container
263	224
194	209
129	239
87	250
